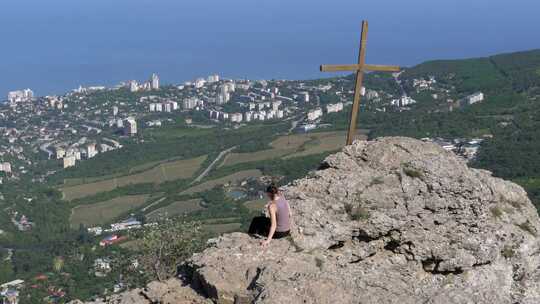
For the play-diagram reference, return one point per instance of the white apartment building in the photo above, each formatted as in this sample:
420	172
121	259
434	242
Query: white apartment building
133	86
154	82
474	98
167	107
276	104
371	94
304	96
314	114
213	114
69	161
213	78
403	101
248	116
91	151
243	86
236	117
199	83
5	167
334	108
190	103
20	96
60	152
231	86
131	126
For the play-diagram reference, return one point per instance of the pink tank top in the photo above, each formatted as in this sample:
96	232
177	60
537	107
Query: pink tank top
282	215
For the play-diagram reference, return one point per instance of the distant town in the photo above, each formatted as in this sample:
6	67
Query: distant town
73	130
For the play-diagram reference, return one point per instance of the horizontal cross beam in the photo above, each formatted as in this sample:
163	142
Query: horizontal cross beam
358	67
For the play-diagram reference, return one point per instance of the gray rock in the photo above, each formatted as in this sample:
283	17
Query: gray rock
394	220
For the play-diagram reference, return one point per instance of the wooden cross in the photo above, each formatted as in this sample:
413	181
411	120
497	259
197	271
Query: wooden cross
359	68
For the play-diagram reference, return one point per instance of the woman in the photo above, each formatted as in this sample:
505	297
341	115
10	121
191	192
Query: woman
279	224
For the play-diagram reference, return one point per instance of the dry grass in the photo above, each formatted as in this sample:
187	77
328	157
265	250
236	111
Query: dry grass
175	209
104	212
159	174
236	177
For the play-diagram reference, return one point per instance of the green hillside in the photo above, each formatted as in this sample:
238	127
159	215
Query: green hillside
510	112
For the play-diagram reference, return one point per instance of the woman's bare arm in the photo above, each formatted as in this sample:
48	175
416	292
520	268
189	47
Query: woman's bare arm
273	220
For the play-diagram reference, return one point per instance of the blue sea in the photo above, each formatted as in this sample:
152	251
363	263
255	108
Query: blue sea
53	46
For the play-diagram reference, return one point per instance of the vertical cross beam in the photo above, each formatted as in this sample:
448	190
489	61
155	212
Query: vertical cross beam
359	69
358	85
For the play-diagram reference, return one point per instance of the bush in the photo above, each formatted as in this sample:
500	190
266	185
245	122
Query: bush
412	172
165	246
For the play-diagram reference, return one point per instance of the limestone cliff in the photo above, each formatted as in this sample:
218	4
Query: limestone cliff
394	220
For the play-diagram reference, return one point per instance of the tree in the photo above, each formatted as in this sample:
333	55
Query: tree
167	245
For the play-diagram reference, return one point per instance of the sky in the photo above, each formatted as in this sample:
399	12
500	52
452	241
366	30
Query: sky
53	46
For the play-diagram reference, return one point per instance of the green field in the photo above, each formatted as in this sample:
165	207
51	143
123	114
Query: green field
256	205
236	177
290	146
161	173
104	212
175	209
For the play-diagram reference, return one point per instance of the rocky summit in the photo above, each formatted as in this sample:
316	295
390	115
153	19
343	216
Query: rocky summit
394	220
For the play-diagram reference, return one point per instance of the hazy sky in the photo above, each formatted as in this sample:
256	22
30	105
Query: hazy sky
55	45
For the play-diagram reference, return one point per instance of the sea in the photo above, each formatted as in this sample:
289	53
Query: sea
54	46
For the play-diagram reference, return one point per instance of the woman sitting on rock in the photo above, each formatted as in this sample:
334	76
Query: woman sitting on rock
278	224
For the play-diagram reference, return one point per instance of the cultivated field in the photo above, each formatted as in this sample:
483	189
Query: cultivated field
256	205
322	142
238	176
279	147
164	172
104	212
292	146
175	209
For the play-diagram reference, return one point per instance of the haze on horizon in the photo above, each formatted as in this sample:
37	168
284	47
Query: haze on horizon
53	46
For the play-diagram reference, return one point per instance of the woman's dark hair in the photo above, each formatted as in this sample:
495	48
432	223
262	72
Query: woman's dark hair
272	190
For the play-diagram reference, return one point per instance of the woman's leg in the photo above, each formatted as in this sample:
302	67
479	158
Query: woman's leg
281	234
260	225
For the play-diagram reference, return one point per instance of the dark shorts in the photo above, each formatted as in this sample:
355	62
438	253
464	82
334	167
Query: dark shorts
260	225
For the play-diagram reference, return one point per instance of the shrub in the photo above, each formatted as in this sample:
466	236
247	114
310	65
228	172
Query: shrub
164	247
507	251
412	172
496	212
528	227
376	181
360	213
